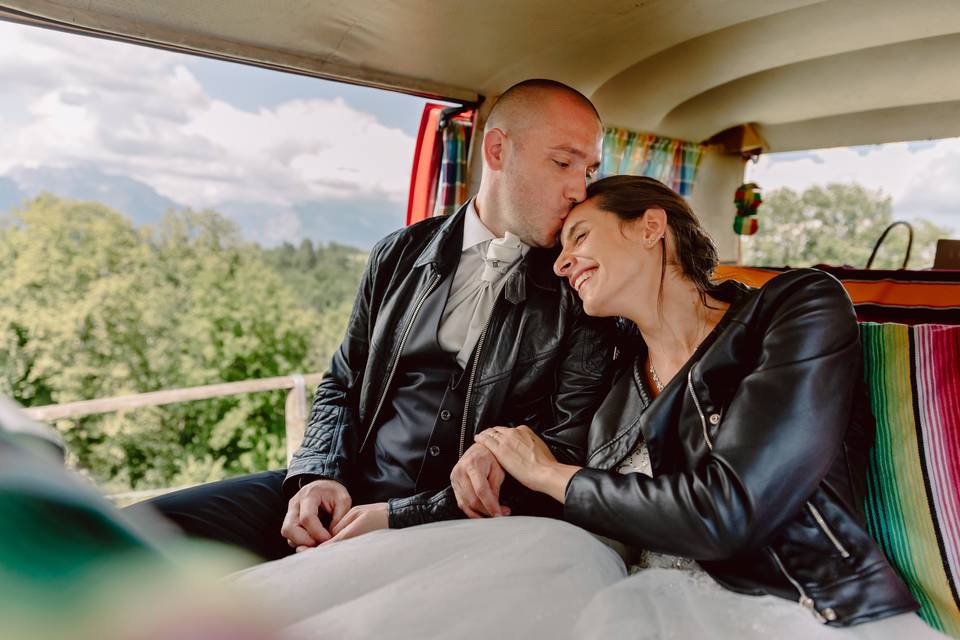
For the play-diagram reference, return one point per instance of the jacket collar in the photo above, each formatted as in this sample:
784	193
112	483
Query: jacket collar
657	426
539	264
443	249
443	252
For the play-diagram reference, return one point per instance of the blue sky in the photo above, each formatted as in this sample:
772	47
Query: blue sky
253	88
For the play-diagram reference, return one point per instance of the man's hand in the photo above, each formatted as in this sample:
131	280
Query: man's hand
476	481
301	526
361	519
527	458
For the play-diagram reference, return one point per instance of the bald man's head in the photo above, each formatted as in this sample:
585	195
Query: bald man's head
541	146
526	103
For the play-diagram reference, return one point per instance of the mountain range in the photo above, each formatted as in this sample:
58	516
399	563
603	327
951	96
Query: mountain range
357	222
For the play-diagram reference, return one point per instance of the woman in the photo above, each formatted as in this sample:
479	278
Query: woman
735	435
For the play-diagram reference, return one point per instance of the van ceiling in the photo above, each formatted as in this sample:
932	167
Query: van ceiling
808	74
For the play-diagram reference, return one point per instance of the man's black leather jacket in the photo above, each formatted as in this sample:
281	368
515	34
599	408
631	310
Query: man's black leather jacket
759	448
542	363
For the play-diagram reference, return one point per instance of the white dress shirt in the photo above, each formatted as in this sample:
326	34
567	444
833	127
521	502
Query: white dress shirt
460	307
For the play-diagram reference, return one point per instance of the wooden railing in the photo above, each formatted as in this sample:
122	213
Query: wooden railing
296	409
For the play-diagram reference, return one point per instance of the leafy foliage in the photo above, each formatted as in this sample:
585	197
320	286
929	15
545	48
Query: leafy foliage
836	224
94	307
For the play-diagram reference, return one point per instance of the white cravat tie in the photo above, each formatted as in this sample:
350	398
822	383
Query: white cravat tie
469	308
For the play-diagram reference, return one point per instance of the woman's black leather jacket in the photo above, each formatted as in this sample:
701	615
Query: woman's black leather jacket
759	448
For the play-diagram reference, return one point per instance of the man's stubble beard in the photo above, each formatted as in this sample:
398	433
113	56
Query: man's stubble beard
525	220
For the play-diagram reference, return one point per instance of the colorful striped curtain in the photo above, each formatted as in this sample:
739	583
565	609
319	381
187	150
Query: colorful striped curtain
673	162
452	184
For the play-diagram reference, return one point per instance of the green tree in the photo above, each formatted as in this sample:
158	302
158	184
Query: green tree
325	278
323	275
94	307
836	224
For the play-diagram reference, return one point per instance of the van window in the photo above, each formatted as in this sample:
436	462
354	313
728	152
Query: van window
169	221
831	205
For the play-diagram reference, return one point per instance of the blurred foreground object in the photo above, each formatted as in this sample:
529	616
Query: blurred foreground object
72	566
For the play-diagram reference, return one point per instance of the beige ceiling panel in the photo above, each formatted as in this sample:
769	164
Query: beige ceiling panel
481	46
604	40
914	122
642	96
917	72
299	35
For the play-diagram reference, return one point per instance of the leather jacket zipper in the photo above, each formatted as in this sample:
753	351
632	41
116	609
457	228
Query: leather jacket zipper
473	374
805	601
696	403
826	530
396	357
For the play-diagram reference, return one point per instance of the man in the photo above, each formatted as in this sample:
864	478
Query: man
459	324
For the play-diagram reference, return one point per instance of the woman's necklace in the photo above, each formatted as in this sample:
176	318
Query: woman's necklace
653	370
656	378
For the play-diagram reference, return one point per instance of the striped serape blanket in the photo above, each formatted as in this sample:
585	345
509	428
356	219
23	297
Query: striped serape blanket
913	481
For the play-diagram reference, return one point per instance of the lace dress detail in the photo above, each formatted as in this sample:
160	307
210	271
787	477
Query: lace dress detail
639	462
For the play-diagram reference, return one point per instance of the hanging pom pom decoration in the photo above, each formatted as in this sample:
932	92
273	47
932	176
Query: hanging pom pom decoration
747	200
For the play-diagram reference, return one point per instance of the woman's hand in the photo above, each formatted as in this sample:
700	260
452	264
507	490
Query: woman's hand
361	519
526	457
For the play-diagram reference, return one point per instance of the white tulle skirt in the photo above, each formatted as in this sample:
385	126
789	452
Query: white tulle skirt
669	603
517	577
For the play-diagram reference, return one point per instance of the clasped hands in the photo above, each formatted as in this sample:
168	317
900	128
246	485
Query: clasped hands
525	456
476	480
303	528
498	451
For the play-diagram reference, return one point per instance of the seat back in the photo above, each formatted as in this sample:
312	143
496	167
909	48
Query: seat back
902	296
910	331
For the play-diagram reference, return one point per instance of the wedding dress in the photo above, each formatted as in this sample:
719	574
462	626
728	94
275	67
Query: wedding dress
527	578
519	577
667	597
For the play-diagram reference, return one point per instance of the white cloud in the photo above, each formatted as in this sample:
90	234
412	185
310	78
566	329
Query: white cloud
141	112
311	148
923	178
937	189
